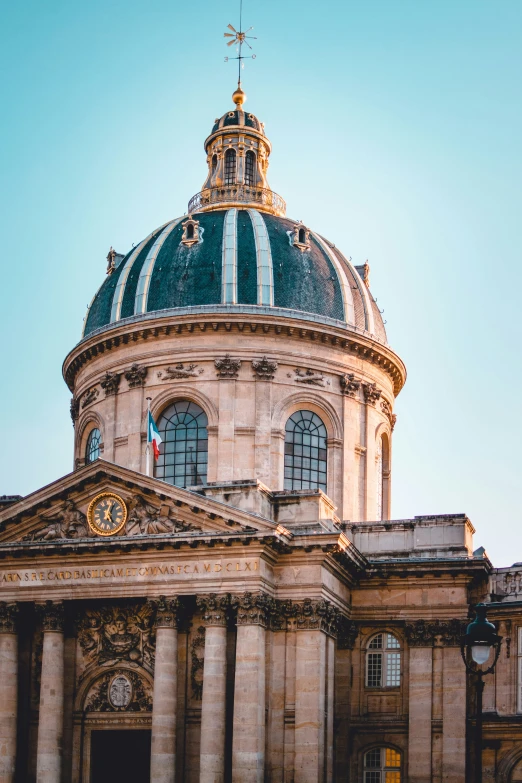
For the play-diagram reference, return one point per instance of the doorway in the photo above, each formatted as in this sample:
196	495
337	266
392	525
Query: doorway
120	755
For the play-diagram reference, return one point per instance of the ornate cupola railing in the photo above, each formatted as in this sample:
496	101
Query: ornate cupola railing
242	196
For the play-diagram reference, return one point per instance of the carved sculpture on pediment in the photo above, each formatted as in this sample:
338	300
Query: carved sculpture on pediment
119	691
145	519
70	524
197	651
371	393
310	376
89	397
136	375
111	383
115	633
74	410
227	367
264	368
350	385
8	617
181	370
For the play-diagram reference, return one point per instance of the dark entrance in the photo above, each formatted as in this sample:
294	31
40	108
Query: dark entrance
120	755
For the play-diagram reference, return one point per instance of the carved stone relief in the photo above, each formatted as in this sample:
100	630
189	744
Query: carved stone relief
197	653
75	410
136	375
71	523
264	368
423	633
120	691
214	608
350	385
113	633
181	371
387	410
227	367
89	397
371	393
111	383
52	615
310	376
8	616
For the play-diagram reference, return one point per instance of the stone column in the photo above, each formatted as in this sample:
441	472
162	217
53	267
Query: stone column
248	742
8	690
453	703
213	704
420	710
50	719
163	742
347	635
315	619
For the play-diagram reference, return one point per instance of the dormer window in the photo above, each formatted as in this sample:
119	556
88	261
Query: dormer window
250	168
301	237
214	163
230	167
191	232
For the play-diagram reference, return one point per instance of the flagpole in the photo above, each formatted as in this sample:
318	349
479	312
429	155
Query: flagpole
147	451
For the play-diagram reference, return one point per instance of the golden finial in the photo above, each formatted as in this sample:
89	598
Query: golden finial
239	97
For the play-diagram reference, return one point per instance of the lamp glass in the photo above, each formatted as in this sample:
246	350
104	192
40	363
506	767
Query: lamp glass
480	653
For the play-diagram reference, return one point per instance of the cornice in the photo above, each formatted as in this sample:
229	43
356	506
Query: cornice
273	321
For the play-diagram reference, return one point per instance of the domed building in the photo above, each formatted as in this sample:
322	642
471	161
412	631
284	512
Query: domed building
217	591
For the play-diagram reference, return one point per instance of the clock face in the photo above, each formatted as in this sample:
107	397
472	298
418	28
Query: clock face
107	514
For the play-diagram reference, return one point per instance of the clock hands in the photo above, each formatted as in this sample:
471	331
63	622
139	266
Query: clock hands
108	513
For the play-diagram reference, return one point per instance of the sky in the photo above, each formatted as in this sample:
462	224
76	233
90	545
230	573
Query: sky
396	132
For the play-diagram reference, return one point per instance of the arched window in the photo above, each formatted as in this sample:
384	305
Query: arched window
214	164
382	765
92	447
378	477
302	236
305	452
250	168
190	231
383	662
230	167
184	450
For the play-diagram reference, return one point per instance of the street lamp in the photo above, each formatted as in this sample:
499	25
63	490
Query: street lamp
478	643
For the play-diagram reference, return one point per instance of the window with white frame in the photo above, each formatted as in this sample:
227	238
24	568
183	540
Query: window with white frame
383	661
382	765
519	663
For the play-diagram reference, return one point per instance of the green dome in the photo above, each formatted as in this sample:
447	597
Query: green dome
235	260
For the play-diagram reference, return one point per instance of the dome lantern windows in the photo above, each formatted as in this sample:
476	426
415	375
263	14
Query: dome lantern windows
191	232
300	237
230	167
92	447
250	168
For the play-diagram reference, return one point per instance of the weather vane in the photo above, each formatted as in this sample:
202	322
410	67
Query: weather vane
240	37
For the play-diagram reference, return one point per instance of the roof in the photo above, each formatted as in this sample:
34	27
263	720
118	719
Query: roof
242	257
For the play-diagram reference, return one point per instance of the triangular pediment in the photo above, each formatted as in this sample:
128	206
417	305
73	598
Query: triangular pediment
59	512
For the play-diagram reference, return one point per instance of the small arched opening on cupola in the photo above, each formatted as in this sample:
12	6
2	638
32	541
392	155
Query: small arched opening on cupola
301	237
191	232
230	167
250	168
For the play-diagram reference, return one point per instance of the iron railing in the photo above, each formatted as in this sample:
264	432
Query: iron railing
237	194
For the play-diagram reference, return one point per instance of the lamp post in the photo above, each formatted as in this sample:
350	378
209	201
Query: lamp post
478	643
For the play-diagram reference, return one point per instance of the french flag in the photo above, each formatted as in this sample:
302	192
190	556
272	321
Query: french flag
153	435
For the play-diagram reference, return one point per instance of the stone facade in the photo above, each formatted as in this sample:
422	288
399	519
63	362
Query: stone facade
244	629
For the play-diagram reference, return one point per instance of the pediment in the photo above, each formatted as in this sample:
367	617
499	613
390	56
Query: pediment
59	511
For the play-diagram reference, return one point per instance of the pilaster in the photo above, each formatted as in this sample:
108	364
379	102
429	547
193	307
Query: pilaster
8	690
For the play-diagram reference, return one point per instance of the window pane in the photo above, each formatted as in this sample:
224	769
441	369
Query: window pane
373	758
301	441
183	453
393	759
393	777
393	670
92	448
372	777
374	670
392	642
376	642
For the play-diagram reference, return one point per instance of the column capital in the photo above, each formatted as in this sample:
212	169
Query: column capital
306	615
53	616
167	611
426	633
252	608
347	633
214	608
8	617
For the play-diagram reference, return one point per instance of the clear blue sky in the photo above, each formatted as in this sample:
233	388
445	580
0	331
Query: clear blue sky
397	132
